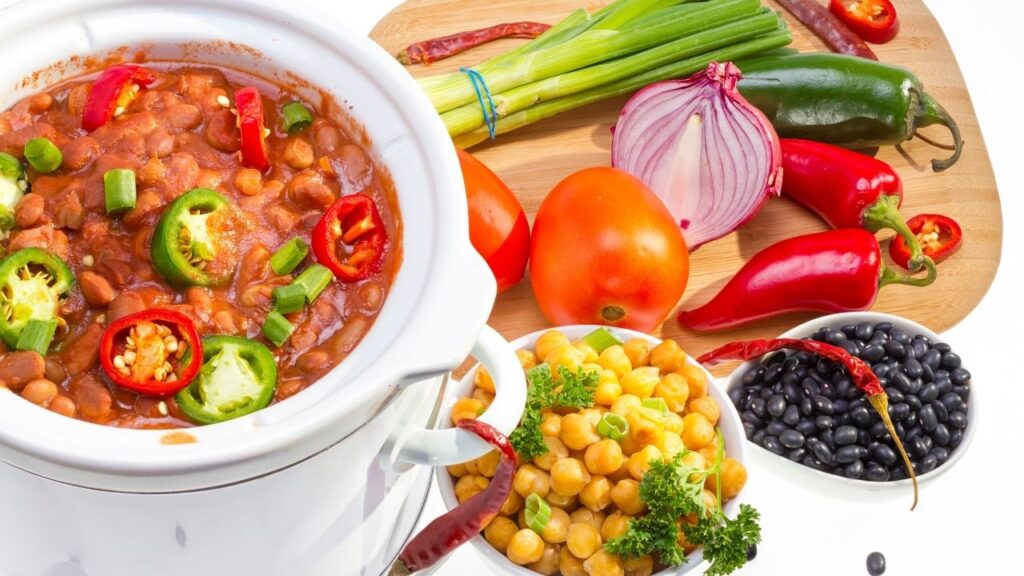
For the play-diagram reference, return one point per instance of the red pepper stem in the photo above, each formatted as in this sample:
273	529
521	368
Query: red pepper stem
880	402
890	276
885	213
931	112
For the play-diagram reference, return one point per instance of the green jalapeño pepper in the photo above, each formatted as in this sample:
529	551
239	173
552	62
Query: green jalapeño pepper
844	100
12	187
238	377
195	242
33	283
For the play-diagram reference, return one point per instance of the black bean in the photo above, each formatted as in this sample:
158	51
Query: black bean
950	360
932	358
772	444
928	419
824	422
864	331
920	348
812	462
775	358
878	430
927	464
872	353
804	357
900	429
737	395
944	382
854	469
791	363
806	427
828	390
957	420
792	439
952	402
912	368
845	435
899	411
826	437
941	454
749	429
960	376
852	347
823	405
791	416
802	371
807	406
861	416
928	442
876	473
962	391
752	418
759	436
917	448
847	454
955	437
884	455
928	376
810	387
751	552
841	406
758	407
929	393
913	433
901	381
876	564
772	373
915	386
900	336
914	402
753	376
883	327
941	435
821	450
792	393
897	473
863	437
776	406
797	454
881	369
824	368
941	414
835	337
776	428
764	393
790	378
894	349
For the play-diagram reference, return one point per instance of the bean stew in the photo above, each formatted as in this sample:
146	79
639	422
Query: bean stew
184	244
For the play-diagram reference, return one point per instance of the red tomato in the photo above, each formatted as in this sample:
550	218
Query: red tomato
606	251
873	20
497	224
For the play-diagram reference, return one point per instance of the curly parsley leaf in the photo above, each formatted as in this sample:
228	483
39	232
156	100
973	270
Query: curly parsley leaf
726	541
577	389
573	390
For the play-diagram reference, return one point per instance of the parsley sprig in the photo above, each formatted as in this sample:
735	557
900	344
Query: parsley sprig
572	390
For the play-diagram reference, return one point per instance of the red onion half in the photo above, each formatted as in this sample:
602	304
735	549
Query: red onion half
711	157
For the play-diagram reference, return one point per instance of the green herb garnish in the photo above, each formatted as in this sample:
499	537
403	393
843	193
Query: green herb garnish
574	390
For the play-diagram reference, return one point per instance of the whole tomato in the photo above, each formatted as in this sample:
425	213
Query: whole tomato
497	224
605	250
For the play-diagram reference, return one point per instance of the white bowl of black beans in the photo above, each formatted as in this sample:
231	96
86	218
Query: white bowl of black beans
811	425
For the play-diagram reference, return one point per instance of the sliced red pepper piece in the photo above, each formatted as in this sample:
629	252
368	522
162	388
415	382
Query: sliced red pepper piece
144	351
873	20
252	128
115	88
350	239
939	236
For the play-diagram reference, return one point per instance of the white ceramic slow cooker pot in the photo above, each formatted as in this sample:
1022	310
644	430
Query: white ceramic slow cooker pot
322	483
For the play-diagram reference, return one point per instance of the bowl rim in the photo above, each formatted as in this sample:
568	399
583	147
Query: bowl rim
740	451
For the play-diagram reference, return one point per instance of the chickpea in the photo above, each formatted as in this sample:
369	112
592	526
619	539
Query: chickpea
566	356
597	494
578	432
695	460
469	486
622	473
549	341
696	380
673	423
559	501
569	565
734	478
608	388
548	563
626	495
482	379
457	470
551	424
710	503
531	480
644	427
710	452
707	406
483	396
487	464
670	445
672	388
583	540
556	451
587	516
668	356
466	408
569	476
557	528
603	457
593	415
639	352
626	403
642	566
470	467
697	431
526	358
525	546
602	563
615	525
615	359
589	354
640	382
499	532
684	543
641	462
629	445
514	503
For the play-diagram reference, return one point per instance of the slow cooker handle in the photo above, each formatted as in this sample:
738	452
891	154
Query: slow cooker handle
410	446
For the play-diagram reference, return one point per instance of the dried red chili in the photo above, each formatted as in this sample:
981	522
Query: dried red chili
448	532
860	372
252	128
113	90
350	238
156	351
436	49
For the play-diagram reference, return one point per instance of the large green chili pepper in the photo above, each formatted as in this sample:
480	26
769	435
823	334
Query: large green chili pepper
238	377
12	187
191	246
33	283
844	100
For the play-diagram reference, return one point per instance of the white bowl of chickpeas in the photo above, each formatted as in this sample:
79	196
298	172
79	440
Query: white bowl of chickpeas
589	481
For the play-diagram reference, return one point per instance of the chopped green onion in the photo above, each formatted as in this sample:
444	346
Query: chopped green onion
538	513
601	339
37	335
612	425
277	328
295	117
43	155
288	256
314	279
658	404
290	298
6	218
10	167
119	189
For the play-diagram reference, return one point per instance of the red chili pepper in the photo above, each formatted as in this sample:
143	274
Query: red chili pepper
136	351
115	88
938	236
846	189
834	271
872	20
252	128
830	29
354	222
436	49
448	532
863	377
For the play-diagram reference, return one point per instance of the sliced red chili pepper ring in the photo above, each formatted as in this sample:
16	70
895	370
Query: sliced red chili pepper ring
112	92
938	236
448	532
872	20
350	239
252	128
143	352
863	377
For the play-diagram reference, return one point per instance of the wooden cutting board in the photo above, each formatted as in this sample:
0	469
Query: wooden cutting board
533	159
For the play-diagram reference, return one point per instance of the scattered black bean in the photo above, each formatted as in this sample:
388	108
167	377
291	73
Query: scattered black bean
751	552
854	469
791	416
776	428
876	564
772	443
806	427
776	406
792	439
845	435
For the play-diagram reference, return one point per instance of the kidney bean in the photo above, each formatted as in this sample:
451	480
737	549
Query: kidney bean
96	289
92	397
80	152
184	116
82	353
29	210
39	392
46	237
222	131
68	212
54	370
307	189
19	368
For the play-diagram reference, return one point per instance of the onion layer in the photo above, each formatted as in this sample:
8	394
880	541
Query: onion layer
711	157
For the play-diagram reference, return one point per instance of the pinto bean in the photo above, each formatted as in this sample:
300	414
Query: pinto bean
19	368
39	103
96	289
201	300
346	338
194	85
77	98
230	322
313	361
282	218
124	304
55	371
222	131
327	139
40	392
80	152
355	166
147	202
298	153
152	172
68	212
82	353
93	398
372	295
45	237
159	144
308	190
182	172
184	116
63	405
29	210
208	179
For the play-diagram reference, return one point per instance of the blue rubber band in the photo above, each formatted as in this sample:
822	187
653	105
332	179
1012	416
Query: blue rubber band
481	89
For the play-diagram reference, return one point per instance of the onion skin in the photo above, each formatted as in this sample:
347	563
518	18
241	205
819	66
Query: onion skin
739	163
